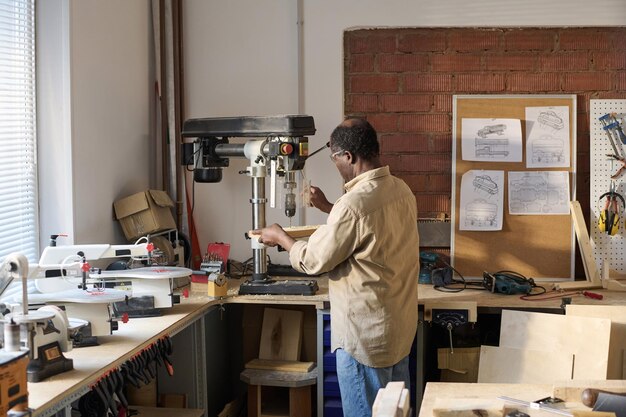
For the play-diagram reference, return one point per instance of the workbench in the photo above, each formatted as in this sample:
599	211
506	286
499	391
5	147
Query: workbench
459	396
90	363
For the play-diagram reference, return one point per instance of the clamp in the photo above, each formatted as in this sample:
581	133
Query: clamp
613	129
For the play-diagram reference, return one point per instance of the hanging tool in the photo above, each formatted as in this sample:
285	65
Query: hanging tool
614	131
610	215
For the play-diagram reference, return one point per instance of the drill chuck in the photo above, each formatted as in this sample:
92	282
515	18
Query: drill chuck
290	204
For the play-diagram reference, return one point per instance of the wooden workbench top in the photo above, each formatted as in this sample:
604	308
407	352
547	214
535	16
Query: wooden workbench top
460	396
427	294
90	363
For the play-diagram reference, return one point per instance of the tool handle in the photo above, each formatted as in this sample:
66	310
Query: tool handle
590	395
593	295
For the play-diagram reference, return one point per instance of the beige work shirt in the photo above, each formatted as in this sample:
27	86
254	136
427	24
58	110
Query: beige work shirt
370	247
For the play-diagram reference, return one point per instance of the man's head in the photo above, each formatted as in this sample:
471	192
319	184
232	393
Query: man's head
354	147
356	136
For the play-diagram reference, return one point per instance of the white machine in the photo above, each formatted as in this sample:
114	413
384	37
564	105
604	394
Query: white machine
64	277
45	332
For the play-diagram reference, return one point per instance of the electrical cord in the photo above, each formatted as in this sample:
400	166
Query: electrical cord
453	286
560	294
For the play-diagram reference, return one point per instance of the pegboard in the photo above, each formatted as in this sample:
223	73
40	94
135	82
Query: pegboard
611	248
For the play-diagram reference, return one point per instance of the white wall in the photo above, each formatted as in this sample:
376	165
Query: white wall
95	99
240	59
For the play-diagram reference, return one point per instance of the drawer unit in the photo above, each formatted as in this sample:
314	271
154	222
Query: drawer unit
328	394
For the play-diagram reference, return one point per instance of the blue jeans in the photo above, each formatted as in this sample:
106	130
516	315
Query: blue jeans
359	383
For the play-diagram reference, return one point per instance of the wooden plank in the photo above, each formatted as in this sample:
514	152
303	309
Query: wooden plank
473	412
587	338
167	412
278	378
522	366
391	401
281	335
617	315
296	232
300	401
276	365
459	364
584	244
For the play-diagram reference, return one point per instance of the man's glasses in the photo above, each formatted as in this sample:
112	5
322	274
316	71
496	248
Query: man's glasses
334	155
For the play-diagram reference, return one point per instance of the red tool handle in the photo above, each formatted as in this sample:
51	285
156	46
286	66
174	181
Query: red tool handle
593	295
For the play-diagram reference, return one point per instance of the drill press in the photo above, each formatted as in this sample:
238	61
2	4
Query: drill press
279	148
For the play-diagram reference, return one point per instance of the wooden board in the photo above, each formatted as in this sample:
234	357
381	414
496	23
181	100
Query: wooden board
167	412
459	364
587	338
523	366
283	366
296	232
617	348
281	335
584	244
391	401
534	245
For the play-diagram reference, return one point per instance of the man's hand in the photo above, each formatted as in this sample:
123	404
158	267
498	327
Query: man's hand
275	235
319	200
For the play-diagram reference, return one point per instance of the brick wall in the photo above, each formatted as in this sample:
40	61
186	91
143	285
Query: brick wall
403	80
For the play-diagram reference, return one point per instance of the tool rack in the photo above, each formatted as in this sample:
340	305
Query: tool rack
611	248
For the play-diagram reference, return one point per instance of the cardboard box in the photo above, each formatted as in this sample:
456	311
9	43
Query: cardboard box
145	212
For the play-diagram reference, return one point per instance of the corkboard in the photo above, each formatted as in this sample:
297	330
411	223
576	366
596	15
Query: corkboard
533	245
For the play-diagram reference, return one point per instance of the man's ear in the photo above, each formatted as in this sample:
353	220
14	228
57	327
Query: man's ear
351	157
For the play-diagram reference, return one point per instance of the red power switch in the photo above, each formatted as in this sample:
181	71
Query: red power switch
286	148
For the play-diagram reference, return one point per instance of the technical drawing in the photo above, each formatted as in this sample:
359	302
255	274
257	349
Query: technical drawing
547	149
480	213
488	130
486	184
491	148
538	193
551	119
535	181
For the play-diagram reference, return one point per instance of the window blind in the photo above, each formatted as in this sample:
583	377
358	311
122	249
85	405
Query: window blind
18	164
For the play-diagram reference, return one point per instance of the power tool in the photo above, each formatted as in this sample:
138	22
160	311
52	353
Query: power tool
428	262
507	283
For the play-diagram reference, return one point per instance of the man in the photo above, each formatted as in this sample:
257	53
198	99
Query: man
370	249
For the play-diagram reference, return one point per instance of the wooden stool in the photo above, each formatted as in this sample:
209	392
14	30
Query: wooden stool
299	384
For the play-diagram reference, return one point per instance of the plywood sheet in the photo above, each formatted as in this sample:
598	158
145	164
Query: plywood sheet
281	335
523	366
587	338
617	315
